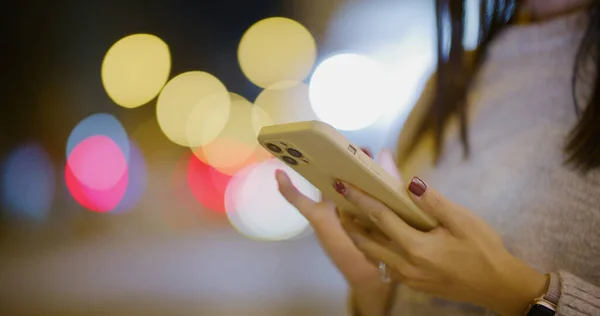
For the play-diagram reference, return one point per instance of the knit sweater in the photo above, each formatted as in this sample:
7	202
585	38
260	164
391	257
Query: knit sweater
520	112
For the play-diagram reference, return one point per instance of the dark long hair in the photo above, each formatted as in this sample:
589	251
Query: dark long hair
457	67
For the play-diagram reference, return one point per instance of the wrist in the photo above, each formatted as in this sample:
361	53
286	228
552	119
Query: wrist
372	298
518	286
378	291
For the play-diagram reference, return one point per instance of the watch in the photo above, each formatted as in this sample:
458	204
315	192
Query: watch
545	305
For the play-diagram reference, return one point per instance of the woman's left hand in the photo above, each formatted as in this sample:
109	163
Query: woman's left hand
462	260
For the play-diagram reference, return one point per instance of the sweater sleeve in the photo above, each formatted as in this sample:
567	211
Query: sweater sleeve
577	297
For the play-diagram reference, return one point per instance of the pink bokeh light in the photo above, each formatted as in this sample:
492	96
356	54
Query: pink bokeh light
96	174
97	162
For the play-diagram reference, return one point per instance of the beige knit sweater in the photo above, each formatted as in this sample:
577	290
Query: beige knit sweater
521	110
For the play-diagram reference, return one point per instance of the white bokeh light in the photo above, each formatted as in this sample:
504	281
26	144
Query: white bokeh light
471	28
409	64
350	91
257	210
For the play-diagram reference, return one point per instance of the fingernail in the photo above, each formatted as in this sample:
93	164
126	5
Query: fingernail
417	186
279	175
339	187
366	151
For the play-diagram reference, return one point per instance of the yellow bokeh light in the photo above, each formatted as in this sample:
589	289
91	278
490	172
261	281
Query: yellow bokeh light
281	103
135	69
193	108
260	118
276	49
237	143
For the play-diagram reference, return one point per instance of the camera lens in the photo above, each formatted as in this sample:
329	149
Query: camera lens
273	148
290	160
294	152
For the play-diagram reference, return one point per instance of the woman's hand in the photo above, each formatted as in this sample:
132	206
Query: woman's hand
462	260
371	294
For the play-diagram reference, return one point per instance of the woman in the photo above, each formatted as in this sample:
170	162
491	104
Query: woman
517	195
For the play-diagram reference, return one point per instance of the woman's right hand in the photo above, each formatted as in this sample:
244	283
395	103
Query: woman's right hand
362	275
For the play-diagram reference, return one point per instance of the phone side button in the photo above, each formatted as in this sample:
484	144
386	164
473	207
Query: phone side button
364	159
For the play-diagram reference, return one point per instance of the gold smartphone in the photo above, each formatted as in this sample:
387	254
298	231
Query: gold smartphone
319	153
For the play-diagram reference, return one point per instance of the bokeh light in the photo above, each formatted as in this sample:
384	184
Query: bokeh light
256	208
219	180
99	124
207	186
98	162
350	91
281	103
137	180
471	27
233	191
135	69
96	174
28	183
237	142
183	210
193	108
409	64
276	49
399	35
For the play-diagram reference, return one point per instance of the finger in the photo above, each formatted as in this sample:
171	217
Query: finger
450	215
374	250
392	273
335	241
379	237
352	229
304	204
387	161
392	225
322	216
375	233
367	151
365	224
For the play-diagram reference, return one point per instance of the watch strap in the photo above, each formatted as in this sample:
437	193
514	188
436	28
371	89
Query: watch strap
553	289
546	304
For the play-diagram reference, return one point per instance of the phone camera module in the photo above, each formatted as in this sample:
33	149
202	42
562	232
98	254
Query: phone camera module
294	152
290	160
274	148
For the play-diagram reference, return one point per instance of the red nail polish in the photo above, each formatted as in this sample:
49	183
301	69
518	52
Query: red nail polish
339	187
417	186
366	151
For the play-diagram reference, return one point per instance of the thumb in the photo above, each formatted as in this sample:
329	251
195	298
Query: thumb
451	215
322	216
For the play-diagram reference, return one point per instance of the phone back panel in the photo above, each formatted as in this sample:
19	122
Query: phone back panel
326	155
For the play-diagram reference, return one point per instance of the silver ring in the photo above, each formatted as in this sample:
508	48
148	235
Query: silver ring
384	275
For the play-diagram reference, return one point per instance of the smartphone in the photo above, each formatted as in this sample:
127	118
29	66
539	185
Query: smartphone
321	154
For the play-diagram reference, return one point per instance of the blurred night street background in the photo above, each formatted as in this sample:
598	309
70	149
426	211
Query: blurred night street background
131	182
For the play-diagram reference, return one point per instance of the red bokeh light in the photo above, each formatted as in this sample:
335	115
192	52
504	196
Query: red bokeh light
207	184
